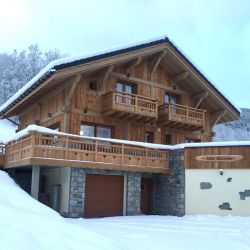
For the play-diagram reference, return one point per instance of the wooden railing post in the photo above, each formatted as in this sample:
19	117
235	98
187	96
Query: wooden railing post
21	150
114	97
146	155
96	149
66	154
33	142
136	103
122	154
169	110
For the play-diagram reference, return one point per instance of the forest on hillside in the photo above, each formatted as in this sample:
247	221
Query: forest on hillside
17	68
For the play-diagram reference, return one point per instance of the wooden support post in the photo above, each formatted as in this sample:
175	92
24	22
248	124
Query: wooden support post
179	77
35	181
199	98
71	92
215	117
156	64
132	65
102	81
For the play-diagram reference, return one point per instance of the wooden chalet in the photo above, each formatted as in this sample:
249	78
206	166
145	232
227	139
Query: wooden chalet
146	93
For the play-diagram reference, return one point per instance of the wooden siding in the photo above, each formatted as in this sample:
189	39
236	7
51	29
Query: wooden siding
86	105
191	161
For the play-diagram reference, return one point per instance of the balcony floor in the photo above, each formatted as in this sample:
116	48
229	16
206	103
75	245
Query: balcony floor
127	115
83	164
164	122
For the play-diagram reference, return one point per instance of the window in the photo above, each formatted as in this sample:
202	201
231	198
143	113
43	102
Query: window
93	85
55	126
149	137
95	131
168	139
190	140
127	88
171	98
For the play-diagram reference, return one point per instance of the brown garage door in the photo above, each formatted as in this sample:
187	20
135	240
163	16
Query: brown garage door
103	195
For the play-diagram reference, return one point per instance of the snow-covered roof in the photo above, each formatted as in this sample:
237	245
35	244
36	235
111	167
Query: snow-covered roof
7	131
77	60
35	128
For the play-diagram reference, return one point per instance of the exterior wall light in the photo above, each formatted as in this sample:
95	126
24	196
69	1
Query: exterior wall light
221	171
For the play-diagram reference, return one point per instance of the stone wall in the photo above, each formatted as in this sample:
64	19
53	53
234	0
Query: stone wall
170	188
133	205
77	192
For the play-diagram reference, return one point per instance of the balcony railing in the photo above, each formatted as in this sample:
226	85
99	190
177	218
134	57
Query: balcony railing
181	116
75	151
117	102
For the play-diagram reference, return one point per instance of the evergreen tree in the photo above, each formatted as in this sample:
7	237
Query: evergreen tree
17	68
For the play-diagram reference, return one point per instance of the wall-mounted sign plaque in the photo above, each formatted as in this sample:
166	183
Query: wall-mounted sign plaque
219	157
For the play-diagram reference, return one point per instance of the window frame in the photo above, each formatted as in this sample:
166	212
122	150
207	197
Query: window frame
95	125
124	83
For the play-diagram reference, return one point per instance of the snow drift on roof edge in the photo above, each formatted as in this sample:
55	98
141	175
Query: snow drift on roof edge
40	129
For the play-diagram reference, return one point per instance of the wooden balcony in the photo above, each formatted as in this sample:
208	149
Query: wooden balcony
181	117
129	106
75	151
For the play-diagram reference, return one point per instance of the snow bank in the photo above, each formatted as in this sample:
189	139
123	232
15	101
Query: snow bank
135	143
7	131
27	224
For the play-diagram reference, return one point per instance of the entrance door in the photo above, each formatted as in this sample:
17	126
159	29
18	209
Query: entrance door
103	195
146	195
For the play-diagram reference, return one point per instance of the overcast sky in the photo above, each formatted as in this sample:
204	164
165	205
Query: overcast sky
213	34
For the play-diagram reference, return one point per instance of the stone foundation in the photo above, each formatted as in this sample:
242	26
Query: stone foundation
168	192
133	205
77	192
170	189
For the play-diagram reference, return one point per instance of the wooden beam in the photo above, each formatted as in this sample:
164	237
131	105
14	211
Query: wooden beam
104	77
215	117
156	63
200	97
54	115
179	77
71	92
133	64
150	83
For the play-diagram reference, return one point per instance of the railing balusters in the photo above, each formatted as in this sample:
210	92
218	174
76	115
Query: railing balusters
70	148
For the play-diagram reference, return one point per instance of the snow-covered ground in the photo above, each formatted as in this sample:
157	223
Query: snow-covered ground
168	232
27	224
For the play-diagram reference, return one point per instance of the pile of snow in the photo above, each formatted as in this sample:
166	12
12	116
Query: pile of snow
7	131
27	224
198	232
